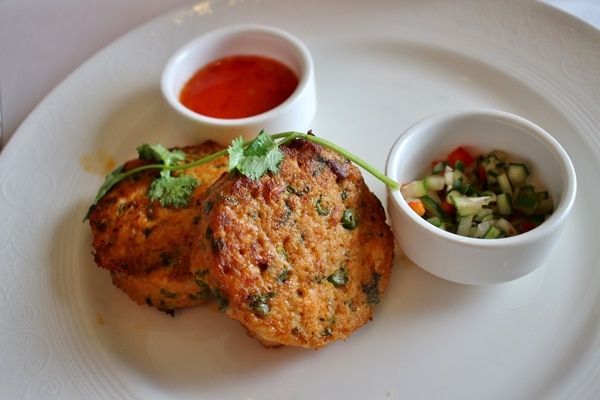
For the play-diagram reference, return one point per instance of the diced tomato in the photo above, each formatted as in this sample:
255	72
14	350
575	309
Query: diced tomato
482	173
526	226
460	154
448	207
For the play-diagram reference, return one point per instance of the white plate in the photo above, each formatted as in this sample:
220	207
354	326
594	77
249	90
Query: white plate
66	332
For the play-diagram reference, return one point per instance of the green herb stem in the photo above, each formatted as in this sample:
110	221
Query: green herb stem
350	156
284	137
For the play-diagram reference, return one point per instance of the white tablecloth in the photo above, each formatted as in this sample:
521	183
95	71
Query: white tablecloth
43	41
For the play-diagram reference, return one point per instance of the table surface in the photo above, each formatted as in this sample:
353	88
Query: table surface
42	42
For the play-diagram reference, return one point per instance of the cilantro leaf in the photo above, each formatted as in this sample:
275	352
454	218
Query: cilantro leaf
236	152
261	156
160	153
169	190
111	179
172	190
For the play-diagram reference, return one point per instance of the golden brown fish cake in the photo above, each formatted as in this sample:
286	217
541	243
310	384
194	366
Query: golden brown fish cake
300	257
145	245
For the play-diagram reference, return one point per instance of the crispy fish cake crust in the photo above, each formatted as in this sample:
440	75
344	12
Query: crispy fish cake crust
300	257
145	246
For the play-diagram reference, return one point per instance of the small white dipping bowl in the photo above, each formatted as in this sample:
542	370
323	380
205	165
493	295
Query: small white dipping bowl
473	260
296	113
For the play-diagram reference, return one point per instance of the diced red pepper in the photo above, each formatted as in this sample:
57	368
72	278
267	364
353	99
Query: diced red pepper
482	173
448	207
460	154
526	226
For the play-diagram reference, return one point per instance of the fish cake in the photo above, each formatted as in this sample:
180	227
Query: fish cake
146	246
299	258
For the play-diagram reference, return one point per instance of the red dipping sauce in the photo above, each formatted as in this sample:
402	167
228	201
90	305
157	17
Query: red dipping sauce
239	86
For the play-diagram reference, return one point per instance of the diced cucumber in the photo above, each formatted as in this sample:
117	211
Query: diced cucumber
492	233
433	208
504	183
458	175
434	196
544	206
439	167
517	173
493	173
484	215
460	166
504	203
435	182
467	205
491	165
482	228
464	226
414	189
435	221
491	194
543	195
449	177
440	223
505	226
485	162
529	189
491	181
525	202
465	189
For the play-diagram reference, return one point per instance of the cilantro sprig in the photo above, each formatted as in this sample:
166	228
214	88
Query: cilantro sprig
166	188
169	190
253	158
